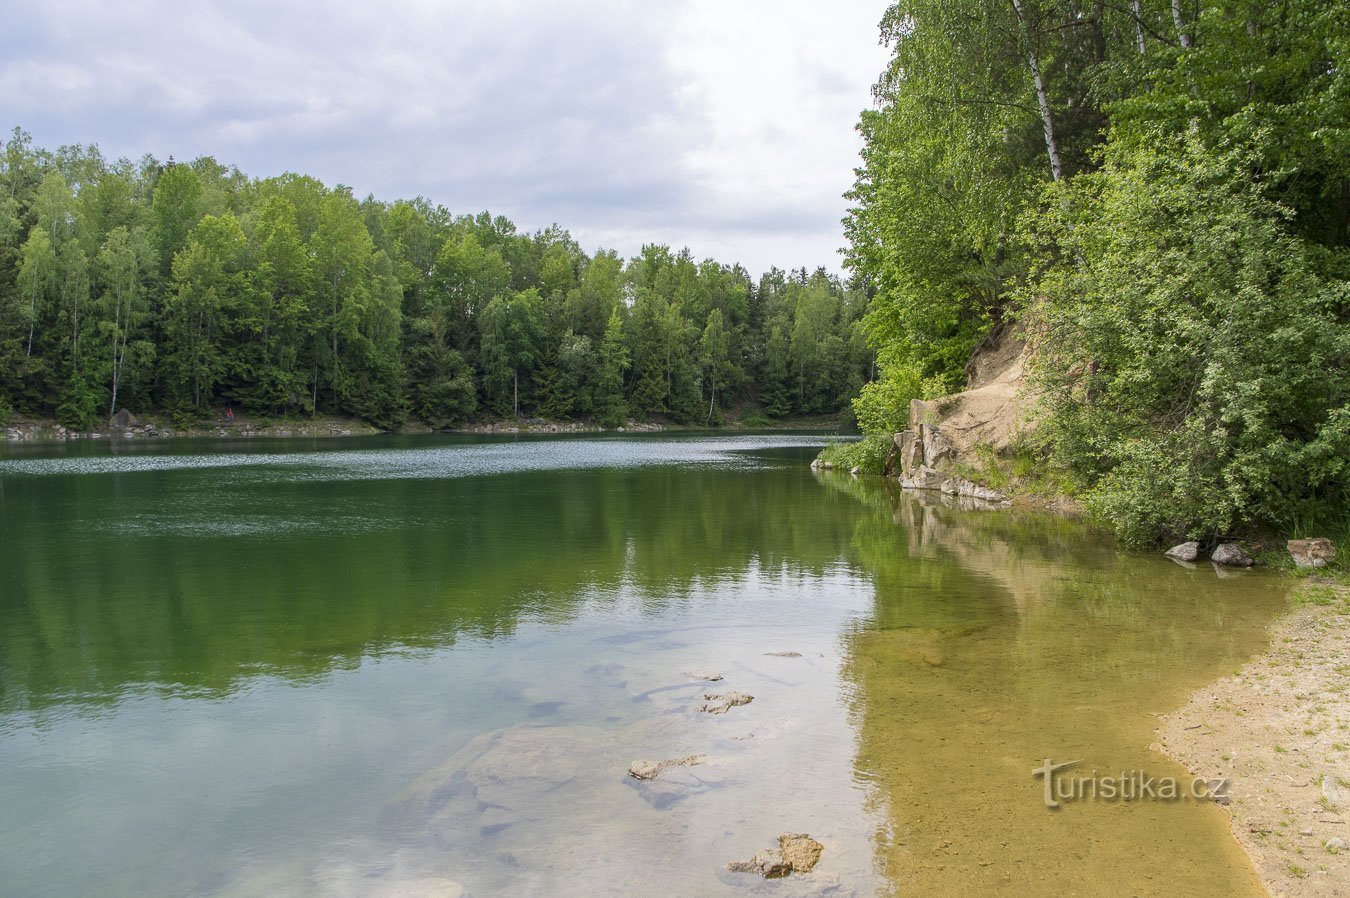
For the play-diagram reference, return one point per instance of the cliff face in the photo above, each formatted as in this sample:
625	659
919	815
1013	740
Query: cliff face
947	434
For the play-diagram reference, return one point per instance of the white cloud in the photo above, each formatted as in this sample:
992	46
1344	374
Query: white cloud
727	127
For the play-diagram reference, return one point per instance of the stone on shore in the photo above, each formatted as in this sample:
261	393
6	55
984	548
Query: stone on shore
1312	553
1230	554
1188	551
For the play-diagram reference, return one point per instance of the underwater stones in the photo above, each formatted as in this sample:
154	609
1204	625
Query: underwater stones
650	770
1188	551
768	863
783	654
796	853
711	676
722	702
1230	554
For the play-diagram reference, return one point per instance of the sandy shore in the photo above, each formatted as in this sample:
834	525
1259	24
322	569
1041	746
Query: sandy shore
1279	730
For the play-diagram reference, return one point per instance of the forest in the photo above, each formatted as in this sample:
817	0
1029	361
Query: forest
189	288
1157	193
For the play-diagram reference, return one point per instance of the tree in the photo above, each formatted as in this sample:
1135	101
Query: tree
210	281
714	355
37	277
610	407
121	263
511	327
175	210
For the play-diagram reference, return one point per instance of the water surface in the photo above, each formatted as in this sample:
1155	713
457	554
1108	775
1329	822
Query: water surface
396	664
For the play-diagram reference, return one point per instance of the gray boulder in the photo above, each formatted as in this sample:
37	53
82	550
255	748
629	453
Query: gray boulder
1184	552
123	419
1230	554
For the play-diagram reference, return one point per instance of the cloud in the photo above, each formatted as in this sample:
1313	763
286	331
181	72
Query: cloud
723	126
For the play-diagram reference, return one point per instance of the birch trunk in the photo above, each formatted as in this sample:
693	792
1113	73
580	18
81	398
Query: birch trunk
1047	120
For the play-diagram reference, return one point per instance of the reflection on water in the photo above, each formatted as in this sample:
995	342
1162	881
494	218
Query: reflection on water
999	640
426	664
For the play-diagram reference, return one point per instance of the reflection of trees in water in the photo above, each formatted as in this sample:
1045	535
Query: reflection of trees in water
311	576
1002	637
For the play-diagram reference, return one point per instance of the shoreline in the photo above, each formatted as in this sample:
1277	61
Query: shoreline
1279	731
160	427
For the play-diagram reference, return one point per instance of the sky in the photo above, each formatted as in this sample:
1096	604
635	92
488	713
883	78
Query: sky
727	127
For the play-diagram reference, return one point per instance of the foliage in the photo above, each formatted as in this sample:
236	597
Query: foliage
868	455
1160	192
188	287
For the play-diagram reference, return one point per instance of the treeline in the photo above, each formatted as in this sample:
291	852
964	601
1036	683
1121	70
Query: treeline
186	287
1158	193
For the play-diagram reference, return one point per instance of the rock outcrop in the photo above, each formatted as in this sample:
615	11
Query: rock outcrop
945	432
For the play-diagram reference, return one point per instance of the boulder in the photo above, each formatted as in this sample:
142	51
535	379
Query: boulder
1230	554
1184	552
925	478
123	419
1312	552
936	447
711	676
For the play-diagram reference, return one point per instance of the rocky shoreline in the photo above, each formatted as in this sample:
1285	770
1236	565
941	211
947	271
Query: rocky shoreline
125	426
1279	731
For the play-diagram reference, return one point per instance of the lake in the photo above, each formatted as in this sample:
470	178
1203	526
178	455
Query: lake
423	666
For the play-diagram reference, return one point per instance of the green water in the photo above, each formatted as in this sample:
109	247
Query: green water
423	666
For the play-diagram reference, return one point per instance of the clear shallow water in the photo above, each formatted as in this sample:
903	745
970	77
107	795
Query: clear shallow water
360	667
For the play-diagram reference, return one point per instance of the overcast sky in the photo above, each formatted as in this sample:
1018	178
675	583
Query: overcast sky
722	125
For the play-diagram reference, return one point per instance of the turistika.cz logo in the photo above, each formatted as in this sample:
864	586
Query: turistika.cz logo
1128	785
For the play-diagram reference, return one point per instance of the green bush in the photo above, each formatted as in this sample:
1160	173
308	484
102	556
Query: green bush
1195	361
868	454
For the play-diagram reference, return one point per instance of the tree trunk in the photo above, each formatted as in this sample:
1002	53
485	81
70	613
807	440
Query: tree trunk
1138	27
1047	120
1182	34
117	322
515	391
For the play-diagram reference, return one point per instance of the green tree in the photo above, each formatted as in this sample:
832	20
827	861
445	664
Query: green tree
610	407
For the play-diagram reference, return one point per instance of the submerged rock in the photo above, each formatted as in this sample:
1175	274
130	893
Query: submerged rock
711	676
1312	552
769	864
783	654
721	702
1188	551
796	853
650	770
1230	554
800	851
